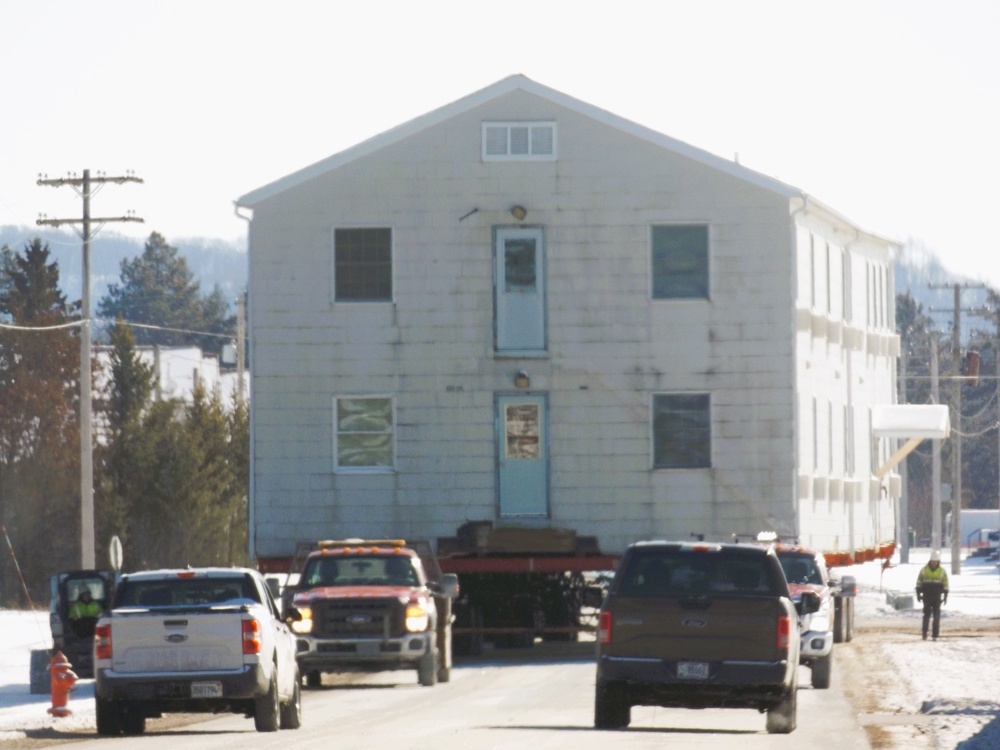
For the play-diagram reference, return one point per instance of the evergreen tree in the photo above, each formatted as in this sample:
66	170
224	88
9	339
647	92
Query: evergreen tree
119	483
158	289
238	491
39	429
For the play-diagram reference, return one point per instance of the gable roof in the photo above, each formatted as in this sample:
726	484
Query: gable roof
505	86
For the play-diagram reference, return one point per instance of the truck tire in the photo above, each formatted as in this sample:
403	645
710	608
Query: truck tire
109	722
781	718
821	669
427	669
314	678
267	708
611	708
133	721
291	712
40	679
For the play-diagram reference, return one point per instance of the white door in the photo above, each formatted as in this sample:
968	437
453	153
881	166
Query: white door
519	259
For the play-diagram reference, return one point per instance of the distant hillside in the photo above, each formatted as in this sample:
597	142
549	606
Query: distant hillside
919	273
211	261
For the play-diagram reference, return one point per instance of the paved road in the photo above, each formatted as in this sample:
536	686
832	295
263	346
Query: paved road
540	702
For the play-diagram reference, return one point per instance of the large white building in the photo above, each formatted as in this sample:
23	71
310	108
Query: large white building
177	370
522	308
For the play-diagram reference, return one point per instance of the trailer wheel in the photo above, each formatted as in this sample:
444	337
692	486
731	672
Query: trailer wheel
467	644
849	619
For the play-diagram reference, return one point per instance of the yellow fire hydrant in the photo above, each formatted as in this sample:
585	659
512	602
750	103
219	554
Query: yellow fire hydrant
63	680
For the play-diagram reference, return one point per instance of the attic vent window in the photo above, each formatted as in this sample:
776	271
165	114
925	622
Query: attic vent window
519	141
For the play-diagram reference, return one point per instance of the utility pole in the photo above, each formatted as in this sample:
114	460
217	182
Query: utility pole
85	188
935	456
956	490
241	332
956	493
903	532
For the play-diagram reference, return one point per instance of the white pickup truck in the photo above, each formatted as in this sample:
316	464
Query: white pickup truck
194	640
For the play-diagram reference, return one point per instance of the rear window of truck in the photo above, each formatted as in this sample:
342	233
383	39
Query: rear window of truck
185	592
680	572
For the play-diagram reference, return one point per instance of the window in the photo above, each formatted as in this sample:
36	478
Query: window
363	433
680	261
682	435
519	141
362	265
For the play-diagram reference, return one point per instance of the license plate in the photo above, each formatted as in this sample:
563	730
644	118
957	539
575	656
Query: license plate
692	670
206	689
369	648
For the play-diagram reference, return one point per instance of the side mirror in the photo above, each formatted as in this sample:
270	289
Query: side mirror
593	597
808	604
448	586
293	615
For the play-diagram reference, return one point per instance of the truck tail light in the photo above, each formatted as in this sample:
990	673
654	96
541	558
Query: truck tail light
102	641
251	637
604	628
784	632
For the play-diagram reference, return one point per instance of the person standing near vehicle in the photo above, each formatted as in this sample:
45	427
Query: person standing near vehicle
84	606
932	589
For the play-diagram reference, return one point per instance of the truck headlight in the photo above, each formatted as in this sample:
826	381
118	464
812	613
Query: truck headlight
416	619
305	625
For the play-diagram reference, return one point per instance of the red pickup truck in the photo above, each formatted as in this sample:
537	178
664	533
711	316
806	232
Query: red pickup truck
373	605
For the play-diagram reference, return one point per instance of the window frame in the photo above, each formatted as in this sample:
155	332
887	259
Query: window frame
655	434
706	277
391	271
530	155
391	432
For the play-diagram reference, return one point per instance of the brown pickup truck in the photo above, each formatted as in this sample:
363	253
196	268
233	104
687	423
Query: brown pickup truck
699	625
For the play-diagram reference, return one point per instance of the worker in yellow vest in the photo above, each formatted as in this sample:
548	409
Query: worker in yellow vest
932	589
84	606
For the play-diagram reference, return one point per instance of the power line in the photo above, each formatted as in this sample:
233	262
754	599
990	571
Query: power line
107	321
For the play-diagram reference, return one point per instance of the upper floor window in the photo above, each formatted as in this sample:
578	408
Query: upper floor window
519	141
680	261
363	433
682	431
362	264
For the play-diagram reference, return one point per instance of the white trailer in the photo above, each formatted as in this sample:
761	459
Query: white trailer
975	527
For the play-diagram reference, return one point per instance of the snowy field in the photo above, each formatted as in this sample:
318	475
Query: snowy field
956	681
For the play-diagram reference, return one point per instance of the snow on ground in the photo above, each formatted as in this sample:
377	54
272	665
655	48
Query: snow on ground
954	680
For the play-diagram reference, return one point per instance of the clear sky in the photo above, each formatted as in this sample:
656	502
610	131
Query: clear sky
887	111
